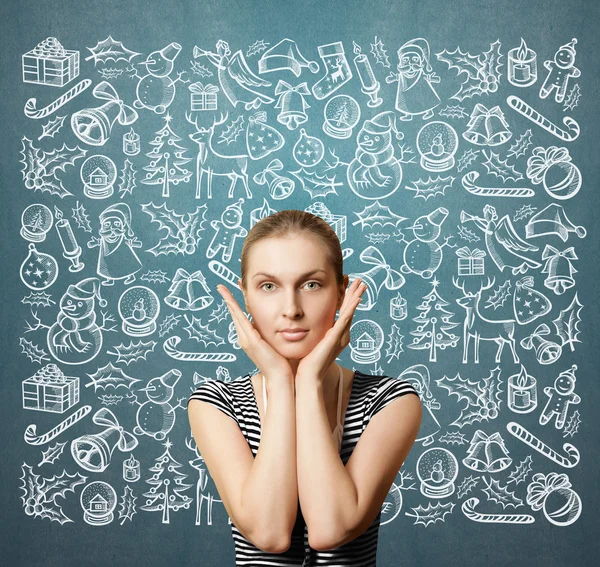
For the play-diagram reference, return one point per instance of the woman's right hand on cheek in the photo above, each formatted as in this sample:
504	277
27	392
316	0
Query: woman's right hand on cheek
271	364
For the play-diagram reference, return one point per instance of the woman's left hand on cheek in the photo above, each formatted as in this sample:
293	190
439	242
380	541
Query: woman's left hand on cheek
315	364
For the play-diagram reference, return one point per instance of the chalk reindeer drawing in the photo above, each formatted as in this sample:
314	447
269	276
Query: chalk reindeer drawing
211	162
480	328
205	486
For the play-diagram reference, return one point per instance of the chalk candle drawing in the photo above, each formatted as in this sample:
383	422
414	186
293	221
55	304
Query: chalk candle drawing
211	163
369	84
416	94
235	77
502	241
479	328
521	66
569	461
131	469
569	134
71	250
560	71
36	221
521	392
93	125
156	90
131	143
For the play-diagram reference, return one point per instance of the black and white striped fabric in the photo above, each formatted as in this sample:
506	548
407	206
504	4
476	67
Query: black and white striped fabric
369	395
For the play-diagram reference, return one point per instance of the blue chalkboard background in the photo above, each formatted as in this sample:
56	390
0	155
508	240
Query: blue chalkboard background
32	538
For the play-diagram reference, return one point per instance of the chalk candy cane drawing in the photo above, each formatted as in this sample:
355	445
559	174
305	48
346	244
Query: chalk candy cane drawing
568	135
468	509
33	439
170	347
468	182
528	438
30	106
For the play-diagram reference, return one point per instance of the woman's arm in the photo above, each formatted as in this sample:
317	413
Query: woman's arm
270	494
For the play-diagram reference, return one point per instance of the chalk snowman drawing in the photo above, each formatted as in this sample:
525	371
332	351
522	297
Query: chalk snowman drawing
487	286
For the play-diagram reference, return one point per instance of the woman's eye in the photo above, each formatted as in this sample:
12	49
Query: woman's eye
308	283
313	283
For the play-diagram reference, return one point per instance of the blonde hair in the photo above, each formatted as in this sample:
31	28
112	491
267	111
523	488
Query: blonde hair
288	223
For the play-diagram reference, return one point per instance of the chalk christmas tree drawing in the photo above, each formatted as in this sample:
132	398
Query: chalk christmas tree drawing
433	332
167	486
165	168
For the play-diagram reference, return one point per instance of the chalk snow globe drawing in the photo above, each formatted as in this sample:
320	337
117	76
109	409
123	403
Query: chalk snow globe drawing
139	308
437	469
98	174
437	143
98	500
36	221
342	114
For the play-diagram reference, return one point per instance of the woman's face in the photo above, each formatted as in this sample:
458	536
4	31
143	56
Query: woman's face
281	293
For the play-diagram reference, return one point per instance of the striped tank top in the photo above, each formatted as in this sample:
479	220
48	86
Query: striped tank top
369	395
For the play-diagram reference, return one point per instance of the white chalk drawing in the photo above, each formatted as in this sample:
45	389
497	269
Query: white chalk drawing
294	129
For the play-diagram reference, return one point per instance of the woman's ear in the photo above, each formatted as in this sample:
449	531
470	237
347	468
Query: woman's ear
342	292
244	294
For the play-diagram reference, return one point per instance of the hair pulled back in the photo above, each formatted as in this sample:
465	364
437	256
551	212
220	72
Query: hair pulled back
292	222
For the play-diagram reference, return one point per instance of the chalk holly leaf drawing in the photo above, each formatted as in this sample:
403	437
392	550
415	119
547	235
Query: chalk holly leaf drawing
257	47
201	333
500	494
155	276
499	168
377	214
33	352
521	471
431	514
168	324
40	167
127	179
567	321
520	145
232	131
133	351
317	185
127	503
467	159
52	454
110	50
426	188
40	493
81	217
52	127
380	53
467	485
183	230
498	296
38	299
482	71
394	345
110	375
483	397
453	111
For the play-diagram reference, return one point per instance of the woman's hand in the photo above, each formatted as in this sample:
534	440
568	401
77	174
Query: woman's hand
315	364
271	364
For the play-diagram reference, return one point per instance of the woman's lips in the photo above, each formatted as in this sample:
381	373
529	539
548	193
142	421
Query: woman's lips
293	336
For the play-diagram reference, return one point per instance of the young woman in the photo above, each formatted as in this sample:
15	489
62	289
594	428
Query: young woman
303	453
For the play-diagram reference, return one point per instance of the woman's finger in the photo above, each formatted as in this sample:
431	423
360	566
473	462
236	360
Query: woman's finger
239	318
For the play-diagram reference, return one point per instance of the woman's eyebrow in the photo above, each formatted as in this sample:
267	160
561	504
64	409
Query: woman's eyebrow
301	277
